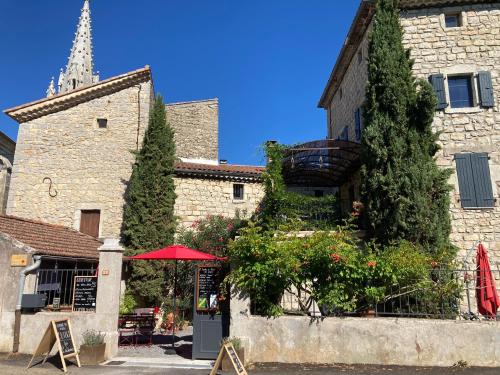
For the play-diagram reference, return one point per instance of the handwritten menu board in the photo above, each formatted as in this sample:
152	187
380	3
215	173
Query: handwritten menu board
85	293
207	279
57	333
64	334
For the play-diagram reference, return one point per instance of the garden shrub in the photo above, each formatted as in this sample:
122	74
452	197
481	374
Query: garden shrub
340	273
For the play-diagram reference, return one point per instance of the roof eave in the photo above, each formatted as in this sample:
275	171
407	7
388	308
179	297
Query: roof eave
42	107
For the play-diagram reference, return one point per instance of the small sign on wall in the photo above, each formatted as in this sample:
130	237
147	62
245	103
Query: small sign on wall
19	260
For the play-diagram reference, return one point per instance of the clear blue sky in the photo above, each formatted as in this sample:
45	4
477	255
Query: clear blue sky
266	60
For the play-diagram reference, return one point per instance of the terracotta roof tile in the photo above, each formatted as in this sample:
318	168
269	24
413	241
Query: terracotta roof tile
50	239
220	170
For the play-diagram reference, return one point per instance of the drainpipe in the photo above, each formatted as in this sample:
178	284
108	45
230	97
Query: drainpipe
22	279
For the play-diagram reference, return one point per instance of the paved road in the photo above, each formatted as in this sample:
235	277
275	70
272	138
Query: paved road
17	366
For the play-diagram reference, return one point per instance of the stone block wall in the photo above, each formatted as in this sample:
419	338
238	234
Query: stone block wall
88	166
198	198
468	49
350	95
196	127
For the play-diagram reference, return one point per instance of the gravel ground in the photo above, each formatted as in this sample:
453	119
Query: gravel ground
183	343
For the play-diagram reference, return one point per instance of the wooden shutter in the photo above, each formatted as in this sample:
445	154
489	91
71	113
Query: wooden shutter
89	222
465	180
486	95
482	180
437	82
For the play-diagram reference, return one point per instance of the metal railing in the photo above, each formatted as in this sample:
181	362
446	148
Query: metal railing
57	285
446	294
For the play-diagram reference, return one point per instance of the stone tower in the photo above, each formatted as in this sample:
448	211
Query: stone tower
79	71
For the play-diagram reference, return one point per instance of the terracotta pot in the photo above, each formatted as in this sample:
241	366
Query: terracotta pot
226	362
92	355
370	313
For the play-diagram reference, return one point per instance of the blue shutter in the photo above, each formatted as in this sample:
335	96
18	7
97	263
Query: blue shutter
482	180
486	95
437	82
357	119
465	180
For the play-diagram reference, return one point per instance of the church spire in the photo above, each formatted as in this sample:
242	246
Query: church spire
51	90
79	71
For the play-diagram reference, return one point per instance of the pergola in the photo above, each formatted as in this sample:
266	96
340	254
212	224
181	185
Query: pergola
321	163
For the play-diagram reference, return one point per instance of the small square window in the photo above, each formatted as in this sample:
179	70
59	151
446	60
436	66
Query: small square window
452	20
238	191
460	89
102	122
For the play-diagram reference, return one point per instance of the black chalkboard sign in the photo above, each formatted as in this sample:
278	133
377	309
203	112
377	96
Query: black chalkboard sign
64	334
58	332
207	279
85	293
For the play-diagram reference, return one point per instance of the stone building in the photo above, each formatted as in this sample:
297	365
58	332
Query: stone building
7	150
73	158
456	46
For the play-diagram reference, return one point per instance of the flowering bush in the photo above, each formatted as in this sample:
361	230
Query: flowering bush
339	272
211	234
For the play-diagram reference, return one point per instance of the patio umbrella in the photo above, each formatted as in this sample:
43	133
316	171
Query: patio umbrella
176	253
486	293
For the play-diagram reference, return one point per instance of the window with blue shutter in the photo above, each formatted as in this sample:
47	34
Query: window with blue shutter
460	89
474	180
437	82
486	95
357	120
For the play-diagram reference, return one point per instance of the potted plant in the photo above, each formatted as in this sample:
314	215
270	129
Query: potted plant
93	349
226	362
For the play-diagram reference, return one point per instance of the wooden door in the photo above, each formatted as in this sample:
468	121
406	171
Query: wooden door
89	222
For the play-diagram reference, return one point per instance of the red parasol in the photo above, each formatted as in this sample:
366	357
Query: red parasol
486	292
175	252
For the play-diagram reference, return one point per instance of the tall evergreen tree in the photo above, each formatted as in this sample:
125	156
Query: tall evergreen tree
148	217
406	195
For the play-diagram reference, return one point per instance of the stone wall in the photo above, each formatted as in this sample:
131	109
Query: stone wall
382	341
196	126
7	147
198	198
88	166
468	49
350	95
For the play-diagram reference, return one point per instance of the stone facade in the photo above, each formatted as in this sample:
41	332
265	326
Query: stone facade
66	162
7	149
88	166
473	47
196	128
199	197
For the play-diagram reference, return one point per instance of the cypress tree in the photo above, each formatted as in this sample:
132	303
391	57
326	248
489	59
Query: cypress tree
148	217
406	195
